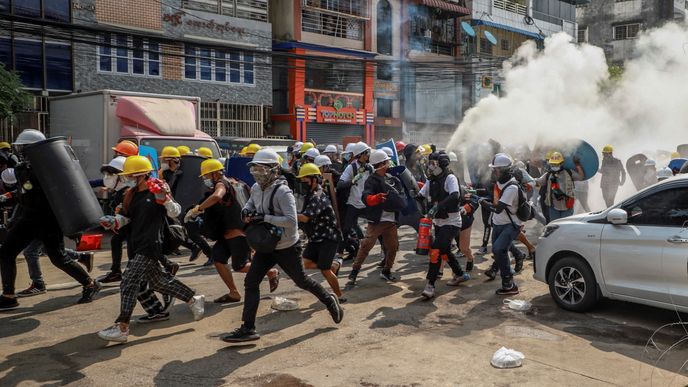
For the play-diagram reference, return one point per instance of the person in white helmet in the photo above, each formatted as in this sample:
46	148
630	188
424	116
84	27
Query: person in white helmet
310	155
347	155
272	201
294	152
664	174
380	195
353	179
331	151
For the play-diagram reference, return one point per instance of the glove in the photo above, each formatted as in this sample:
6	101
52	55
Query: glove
192	214
432	211
376	200
108	222
357	178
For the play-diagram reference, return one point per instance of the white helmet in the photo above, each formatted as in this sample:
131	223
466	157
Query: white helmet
359	148
501	160
296	147
650	163
29	136
519	164
322	160
349	147
330	149
378	156
8	176
664	173
312	153
388	151
265	157
453	156
117	164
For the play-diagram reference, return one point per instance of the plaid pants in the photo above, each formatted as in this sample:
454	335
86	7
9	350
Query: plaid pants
144	269
148	300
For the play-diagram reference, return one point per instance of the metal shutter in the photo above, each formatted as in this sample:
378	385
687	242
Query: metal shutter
333	133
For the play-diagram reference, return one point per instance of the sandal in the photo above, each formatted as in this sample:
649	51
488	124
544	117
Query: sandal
226	299
274	282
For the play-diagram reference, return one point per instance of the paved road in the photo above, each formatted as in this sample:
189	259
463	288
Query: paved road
388	337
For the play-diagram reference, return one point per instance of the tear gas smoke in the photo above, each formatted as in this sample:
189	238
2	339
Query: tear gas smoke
555	95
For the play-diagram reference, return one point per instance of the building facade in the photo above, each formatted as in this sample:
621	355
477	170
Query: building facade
613	25
218	50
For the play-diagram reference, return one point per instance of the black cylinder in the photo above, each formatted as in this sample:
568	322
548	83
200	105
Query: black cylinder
65	184
189	188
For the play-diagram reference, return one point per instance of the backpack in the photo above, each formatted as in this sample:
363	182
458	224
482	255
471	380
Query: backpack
524	210
174	233
262	236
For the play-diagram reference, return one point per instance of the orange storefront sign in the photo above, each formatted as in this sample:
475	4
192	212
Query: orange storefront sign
342	116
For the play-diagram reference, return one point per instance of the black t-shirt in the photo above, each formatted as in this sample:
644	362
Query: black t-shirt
323	222
146	226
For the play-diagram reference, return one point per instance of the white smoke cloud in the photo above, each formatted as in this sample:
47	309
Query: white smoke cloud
554	94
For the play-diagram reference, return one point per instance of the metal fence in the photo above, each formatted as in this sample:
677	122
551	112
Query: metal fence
233	120
510	6
337	25
36	117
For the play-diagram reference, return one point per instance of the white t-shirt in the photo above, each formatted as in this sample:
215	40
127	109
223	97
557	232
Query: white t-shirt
510	198
356	189
451	185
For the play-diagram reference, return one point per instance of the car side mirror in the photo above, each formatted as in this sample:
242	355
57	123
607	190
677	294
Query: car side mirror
617	216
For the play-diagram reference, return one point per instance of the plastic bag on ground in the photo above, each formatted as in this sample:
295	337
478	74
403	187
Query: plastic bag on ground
519	305
507	358
284	304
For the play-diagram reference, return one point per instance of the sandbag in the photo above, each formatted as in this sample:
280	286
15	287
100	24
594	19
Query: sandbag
64	182
189	187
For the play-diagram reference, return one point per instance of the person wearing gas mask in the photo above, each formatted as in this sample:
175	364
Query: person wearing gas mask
505	224
331	152
412	159
222	216
382	220
444	195
145	208
6	153
559	186
36	220
319	223
613	175
353	180
273	203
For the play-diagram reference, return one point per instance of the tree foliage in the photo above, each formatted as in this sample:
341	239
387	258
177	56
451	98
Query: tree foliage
13	98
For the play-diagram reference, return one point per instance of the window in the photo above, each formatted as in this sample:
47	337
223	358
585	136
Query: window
384	107
485	46
246	9
206	64
57	10
342	75
666	208
6	52
626	31
27	8
384	27
58	63
384	71
29	62
505	45
124	54
582	34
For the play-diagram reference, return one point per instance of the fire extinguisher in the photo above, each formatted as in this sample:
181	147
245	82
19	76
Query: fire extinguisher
424	236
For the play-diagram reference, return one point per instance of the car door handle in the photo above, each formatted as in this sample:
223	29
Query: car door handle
677	239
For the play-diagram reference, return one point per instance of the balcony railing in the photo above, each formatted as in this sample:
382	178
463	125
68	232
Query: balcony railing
510	6
332	25
245	9
351	8
435	47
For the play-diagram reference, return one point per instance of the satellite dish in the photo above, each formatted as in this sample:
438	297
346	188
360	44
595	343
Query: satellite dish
468	29
490	37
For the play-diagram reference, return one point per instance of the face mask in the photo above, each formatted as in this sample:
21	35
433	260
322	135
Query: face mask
165	166
555	168
208	182
110	181
130	182
305	186
346	157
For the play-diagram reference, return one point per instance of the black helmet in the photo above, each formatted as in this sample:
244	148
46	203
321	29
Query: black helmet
441	157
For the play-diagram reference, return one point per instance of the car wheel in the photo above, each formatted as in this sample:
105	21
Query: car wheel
572	284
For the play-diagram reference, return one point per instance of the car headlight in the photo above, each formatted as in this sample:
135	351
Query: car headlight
549	230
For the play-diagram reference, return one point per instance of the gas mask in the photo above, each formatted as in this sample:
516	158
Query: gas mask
263	174
208	182
110	181
555	168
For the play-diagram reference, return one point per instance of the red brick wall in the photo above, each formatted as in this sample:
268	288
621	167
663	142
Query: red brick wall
172	65
134	13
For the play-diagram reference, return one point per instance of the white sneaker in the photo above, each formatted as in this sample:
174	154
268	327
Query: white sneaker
197	307
114	334
429	292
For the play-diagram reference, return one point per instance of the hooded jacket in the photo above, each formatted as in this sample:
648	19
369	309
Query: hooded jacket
284	206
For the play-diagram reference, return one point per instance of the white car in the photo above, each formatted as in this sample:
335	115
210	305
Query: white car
634	251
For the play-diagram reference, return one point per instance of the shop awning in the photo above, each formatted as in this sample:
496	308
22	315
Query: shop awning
529	34
446	6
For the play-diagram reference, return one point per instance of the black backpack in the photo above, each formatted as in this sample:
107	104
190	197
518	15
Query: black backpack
174	234
524	211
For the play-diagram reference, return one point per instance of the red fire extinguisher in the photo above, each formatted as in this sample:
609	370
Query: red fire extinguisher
424	236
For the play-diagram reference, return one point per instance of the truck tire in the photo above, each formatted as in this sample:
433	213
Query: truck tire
572	284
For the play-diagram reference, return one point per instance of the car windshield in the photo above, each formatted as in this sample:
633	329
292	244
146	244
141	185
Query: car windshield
193	143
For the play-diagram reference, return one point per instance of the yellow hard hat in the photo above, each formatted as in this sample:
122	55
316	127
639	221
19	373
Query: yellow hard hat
608	149
548	155
425	149
252	149
210	166
5	145
134	165
280	159
170	151
556	158
184	150
306	146
205	152
309	169
674	155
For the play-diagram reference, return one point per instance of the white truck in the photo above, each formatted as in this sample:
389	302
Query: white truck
94	122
